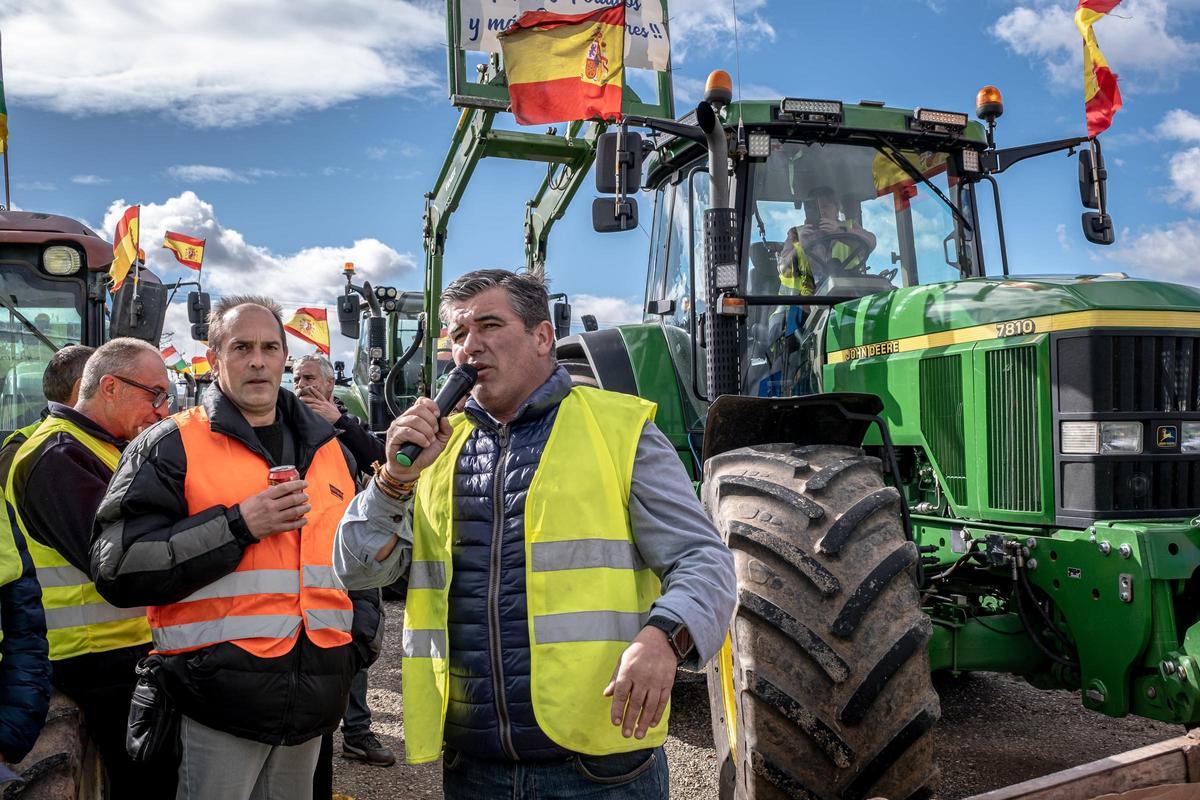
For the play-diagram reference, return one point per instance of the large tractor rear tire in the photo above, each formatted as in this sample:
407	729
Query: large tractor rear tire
830	671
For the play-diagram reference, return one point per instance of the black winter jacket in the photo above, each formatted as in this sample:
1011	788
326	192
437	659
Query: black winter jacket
355	435
147	550
24	660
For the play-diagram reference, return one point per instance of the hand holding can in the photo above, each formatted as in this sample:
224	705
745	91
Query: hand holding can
282	474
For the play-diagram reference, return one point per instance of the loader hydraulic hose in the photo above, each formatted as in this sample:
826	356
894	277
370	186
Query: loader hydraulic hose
390	394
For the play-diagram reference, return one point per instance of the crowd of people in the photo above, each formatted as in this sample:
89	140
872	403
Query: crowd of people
205	583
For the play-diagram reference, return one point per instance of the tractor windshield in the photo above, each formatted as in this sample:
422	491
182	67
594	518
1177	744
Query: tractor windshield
844	220
37	316
847	219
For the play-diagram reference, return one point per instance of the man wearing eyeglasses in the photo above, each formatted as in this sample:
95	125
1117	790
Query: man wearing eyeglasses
56	483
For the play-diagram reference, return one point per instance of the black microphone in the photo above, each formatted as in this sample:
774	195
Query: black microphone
458	383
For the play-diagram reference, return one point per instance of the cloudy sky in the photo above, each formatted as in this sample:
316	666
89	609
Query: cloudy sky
298	135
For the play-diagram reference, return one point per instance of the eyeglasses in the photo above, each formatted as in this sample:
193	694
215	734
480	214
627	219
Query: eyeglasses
160	396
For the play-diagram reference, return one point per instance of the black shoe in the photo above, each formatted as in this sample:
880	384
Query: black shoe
368	748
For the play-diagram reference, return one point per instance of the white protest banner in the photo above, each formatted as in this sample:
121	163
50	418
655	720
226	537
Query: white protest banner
646	42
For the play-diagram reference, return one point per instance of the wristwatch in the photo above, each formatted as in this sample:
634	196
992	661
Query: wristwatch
678	636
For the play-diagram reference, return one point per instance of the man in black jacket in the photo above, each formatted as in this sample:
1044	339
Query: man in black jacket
313	377
259	648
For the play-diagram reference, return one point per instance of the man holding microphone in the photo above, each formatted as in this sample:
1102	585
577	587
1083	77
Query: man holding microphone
559	566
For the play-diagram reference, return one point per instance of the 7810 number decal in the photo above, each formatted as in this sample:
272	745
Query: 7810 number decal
1015	327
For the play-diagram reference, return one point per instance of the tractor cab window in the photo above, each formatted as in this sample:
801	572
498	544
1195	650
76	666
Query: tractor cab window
844	220
38	315
685	249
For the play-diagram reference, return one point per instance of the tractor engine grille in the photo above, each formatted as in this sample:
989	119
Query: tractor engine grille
1014	461
1152	377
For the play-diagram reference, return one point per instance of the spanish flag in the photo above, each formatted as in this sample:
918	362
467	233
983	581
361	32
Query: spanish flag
891	179
200	366
311	325
125	246
173	359
188	251
1101	97
564	67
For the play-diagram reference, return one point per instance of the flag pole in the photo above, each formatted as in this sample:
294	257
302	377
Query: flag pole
7	193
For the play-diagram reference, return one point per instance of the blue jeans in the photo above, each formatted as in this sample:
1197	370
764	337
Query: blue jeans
640	775
357	719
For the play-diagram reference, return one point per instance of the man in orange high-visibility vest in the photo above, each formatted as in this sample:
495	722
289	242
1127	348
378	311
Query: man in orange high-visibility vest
260	640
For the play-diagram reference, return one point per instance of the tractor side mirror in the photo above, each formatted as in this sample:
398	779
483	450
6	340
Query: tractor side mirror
1092	186
1098	228
610	214
618	169
349	315
589	322
562	319
198	306
139	316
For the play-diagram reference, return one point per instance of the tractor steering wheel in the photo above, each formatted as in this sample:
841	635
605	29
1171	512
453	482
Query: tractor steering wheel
819	249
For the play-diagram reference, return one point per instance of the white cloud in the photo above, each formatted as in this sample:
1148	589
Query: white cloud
1167	252
89	180
1180	124
309	277
1184	169
1061	233
1137	40
218	64
608	311
36	186
704	25
206	173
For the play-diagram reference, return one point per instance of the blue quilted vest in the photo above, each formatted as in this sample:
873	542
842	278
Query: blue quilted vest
490	712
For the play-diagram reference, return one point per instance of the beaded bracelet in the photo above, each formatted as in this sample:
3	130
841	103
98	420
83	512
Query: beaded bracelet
390	486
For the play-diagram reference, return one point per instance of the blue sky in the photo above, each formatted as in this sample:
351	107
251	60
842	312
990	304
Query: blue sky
297	135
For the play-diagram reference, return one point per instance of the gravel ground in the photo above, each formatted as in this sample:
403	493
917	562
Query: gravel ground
995	730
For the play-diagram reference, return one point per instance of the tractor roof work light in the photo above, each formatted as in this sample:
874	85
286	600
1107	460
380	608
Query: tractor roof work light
718	89
759	144
939	121
59	259
989	104
802	109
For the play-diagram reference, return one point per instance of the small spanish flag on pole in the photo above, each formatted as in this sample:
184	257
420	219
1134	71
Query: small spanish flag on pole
311	325
188	251
200	366
1101	97
125	246
564	67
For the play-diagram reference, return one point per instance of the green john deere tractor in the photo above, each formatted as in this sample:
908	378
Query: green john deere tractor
918	467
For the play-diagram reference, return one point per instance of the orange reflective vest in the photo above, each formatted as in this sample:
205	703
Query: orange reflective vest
284	581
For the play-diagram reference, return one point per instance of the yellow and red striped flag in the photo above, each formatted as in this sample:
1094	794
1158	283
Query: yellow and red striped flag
200	365
1101	97
564	67
125	246
311	325
188	251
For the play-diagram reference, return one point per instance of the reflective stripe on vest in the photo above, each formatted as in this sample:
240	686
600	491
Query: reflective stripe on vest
588	591
78	619
283	582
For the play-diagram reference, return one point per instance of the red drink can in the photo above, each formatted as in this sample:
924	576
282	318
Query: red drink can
282	474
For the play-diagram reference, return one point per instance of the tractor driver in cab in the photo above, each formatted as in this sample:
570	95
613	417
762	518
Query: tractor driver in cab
831	240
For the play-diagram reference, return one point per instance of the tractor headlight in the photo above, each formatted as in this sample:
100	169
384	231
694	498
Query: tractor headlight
1189	437
1120	437
1096	438
61	260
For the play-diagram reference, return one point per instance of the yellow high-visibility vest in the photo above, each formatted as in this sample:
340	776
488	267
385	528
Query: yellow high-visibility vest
588	592
78	619
798	274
